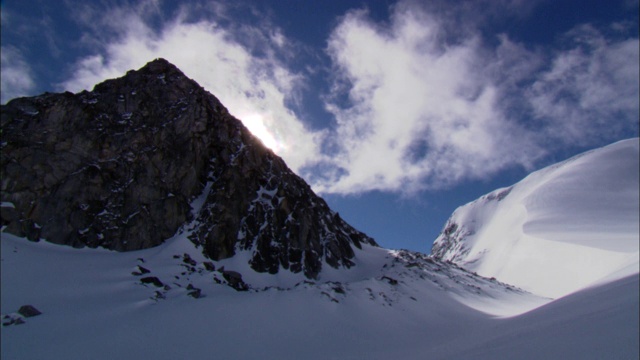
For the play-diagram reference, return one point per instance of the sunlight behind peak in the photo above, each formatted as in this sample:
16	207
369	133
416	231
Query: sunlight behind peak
256	124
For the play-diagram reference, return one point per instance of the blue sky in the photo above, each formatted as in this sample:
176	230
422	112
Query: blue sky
396	112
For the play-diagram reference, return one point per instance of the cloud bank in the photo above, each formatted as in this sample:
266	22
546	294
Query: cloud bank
415	104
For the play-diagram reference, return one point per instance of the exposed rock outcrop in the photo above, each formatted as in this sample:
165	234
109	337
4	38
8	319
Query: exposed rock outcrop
119	166
28	311
450	244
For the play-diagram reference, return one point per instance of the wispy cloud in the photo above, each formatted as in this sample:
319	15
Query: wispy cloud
16	77
590	90
422	111
426	108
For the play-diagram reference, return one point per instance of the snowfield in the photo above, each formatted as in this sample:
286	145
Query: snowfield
394	304
545	235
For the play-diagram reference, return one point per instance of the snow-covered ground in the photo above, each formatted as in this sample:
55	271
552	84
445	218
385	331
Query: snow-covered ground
562	228
391	305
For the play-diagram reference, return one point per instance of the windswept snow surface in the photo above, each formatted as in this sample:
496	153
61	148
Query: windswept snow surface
561	229
392	304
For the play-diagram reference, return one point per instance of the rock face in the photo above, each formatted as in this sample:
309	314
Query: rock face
451	244
118	167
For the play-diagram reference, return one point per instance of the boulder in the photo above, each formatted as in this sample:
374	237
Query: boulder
28	311
140	271
152	280
234	279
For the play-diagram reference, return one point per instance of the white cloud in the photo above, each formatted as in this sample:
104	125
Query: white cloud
422	112
16	77
426	108
590	90
252	87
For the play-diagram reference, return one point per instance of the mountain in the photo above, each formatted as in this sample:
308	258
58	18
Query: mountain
173	233
119	167
561	229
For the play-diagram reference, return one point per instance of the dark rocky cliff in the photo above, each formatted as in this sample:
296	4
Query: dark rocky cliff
118	167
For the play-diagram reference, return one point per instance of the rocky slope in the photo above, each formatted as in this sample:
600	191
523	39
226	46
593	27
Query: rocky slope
119	167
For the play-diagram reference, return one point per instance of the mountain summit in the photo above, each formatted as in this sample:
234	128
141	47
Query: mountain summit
137	159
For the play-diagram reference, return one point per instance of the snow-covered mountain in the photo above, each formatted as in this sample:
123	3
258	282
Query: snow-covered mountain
560	229
197	242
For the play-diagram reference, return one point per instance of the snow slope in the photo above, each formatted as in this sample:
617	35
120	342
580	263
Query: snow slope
94	307
595	323
404	305
561	229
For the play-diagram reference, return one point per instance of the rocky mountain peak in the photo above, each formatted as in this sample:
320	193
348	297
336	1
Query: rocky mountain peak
127	165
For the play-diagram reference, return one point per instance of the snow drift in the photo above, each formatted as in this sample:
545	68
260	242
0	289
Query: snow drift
562	228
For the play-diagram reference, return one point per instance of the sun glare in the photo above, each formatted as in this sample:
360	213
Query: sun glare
255	124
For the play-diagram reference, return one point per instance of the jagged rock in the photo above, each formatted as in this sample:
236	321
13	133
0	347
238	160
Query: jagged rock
152	280
140	271
450	244
450	238
208	265
8	321
195	292
117	167
157	295
188	260
12	319
28	311
390	280
330	297
235	280
338	288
